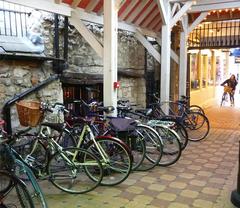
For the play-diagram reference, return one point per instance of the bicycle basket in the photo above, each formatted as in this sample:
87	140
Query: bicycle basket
29	113
227	89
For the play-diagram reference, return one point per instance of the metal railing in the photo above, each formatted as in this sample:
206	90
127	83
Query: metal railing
13	23
215	35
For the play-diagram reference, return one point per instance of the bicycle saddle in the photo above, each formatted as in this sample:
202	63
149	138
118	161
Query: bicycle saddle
107	109
55	126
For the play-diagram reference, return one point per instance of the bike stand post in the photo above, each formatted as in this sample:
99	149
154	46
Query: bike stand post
235	196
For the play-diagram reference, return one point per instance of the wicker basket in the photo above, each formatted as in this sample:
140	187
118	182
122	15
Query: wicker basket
227	89
29	112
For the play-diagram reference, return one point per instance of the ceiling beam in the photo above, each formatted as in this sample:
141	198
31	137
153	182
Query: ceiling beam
121	25
58	1
146	12
140	37
173	54
175	7
48	6
150	18
196	22
86	33
91	6
162	10
215	6
127	10
75	3
180	13
137	11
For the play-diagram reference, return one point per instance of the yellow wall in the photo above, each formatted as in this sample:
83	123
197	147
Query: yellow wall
204	97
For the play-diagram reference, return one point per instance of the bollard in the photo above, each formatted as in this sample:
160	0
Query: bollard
235	196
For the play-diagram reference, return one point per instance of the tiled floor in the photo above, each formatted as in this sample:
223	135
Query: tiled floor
203	178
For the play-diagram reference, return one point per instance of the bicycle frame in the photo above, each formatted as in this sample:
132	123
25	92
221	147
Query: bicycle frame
87	129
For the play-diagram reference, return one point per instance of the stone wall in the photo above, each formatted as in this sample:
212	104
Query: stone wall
83	59
18	76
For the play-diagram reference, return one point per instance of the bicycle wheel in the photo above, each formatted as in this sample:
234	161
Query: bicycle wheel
26	174
224	99
196	108
5	183
115	157
75	170
37	156
179	129
197	126
153	144
137	146
18	195
66	139
171	145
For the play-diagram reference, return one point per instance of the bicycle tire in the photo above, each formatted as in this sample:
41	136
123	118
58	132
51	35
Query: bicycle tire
196	108
17	195
73	160
26	174
119	163
135	143
197	126
179	128
223	98
5	184
37	156
171	145
66	139
154	147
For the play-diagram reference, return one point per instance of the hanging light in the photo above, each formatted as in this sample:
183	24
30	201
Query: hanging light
226	10
233	10
220	10
214	11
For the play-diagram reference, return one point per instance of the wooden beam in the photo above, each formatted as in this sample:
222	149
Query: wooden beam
87	34
58	1
75	3
128	9
150	18
121	25
180	13
148	46
146	12
215	6
154	22
162	9
137	11
176	7
91	5
44	5
173	54
196	22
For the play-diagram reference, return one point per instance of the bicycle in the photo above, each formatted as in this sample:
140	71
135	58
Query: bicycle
13	192
143	141
73	170
170	141
114	154
227	90
196	123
